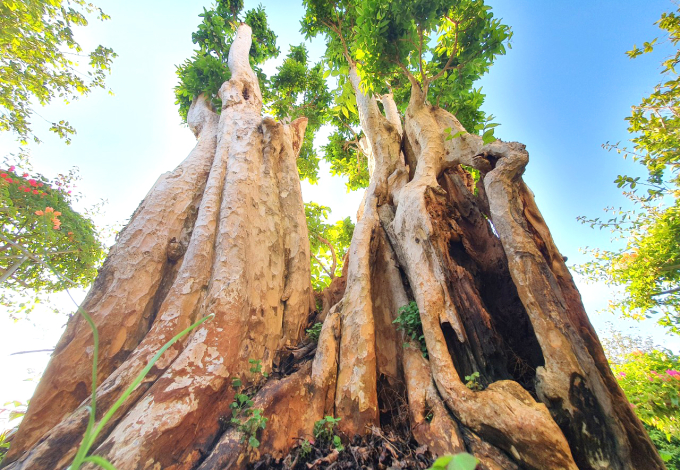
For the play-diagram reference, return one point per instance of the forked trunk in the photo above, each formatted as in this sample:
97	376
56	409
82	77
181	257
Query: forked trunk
225	234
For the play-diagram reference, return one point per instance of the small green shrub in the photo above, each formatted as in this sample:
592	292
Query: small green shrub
408	321
472	382
305	449
324	431
247	419
314	332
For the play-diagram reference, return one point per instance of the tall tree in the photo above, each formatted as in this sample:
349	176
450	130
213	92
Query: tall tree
506	364
647	264
39	57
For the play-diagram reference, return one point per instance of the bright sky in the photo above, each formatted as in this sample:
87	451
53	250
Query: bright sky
563	90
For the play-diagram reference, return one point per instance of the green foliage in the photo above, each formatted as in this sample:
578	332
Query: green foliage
462	461
247	419
207	69
346	158
651	382
648	265
408	321
298	89
472	382
324	431
314	332
39	61
38	223
328	243
448	43
305	449
669	450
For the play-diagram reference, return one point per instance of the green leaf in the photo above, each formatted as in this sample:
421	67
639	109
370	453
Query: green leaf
253	442
488	137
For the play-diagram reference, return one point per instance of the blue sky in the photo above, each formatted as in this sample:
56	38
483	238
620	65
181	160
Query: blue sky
563	90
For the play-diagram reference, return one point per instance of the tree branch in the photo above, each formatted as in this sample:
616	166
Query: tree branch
330	246
453	54
33	257
12	269
322	266
671	267
669	291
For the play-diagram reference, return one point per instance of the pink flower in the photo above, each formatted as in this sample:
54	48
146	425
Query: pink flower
622	374
673	373
11	168
33	183
35	191
9	180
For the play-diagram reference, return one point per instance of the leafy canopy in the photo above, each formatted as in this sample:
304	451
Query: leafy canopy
38	227
328	242
40	59
299	89
45	246
207	69
652	384
440	46
648	265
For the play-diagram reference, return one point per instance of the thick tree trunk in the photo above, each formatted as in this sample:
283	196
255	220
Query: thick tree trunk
225	234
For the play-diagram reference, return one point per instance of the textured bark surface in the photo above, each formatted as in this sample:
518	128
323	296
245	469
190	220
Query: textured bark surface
225	234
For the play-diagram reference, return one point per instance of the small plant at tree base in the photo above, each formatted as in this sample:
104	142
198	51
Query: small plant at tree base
256	367
324	431
305	449
409	322
314	332
247	419
462	461
472	382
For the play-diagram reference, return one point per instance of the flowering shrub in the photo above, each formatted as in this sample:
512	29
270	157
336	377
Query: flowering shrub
651	382
38	226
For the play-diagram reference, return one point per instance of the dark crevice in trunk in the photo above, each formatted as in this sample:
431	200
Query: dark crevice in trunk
393	406
460	354
478	251
492	457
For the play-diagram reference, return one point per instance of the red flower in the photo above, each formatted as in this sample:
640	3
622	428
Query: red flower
21	188
3	175
40	185
25	175
32	183
35	191
9	180
27	190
